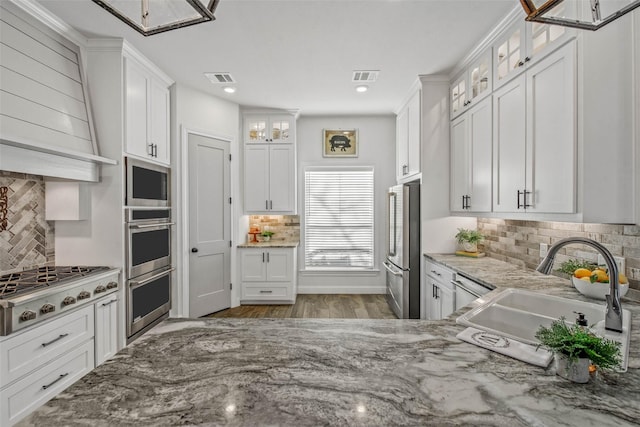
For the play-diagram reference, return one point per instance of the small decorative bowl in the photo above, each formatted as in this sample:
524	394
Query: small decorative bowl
597	290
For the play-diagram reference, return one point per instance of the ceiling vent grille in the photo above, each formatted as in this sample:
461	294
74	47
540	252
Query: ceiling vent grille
368	76
223	78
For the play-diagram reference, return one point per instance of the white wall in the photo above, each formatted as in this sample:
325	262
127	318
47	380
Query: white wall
377	137
192	110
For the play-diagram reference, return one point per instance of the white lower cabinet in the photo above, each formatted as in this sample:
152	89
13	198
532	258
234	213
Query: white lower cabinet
440	291
268	275
106	336
37	364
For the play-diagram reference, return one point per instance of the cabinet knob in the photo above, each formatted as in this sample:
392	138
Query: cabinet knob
194	250
527	59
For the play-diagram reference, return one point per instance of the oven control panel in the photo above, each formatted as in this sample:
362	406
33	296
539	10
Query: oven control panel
57	300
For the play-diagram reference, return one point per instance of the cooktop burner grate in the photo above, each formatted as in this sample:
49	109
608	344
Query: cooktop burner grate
14	284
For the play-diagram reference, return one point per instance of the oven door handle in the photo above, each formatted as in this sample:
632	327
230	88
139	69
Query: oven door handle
464	288
136	283
164	224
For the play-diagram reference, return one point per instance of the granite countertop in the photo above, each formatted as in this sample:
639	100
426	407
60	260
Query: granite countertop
341	372
270	244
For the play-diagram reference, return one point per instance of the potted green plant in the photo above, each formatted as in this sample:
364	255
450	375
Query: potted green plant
266	235
468	239
576	348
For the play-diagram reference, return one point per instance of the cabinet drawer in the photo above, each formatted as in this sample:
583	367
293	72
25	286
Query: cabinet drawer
266	292
20	399
33	348
439	272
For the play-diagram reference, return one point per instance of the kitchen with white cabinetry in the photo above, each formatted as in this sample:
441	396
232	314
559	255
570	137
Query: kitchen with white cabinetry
529	137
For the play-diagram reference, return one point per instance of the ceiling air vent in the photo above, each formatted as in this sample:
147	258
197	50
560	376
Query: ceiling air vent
365	76
223	78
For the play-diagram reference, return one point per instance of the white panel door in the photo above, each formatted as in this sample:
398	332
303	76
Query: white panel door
459	163
256	178
209	225
509	145
481	140
279	265
551	133
106	338
281	178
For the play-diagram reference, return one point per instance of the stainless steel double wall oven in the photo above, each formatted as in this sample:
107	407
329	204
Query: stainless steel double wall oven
148	247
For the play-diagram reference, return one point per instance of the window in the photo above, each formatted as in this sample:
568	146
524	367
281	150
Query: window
338	225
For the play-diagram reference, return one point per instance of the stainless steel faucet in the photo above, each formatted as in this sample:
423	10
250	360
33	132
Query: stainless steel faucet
613	315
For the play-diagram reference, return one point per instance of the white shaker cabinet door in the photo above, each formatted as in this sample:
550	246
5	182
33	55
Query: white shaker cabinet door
256	178
509	145
459	163
281	178
551	133
159	121
253	264
136	107
480	135
280	266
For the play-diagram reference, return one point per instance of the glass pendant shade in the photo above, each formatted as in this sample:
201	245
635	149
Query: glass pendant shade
583	14
150	17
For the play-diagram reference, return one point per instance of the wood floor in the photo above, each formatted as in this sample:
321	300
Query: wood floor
318	306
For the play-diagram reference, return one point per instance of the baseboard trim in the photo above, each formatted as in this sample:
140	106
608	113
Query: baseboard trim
336	290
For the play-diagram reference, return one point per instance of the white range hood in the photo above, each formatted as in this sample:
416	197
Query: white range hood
46	126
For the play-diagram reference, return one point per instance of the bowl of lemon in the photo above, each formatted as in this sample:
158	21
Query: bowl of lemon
595	283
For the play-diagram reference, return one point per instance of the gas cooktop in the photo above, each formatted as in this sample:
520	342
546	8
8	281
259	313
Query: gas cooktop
21	282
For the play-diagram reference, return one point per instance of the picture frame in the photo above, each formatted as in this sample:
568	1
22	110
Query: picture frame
340	143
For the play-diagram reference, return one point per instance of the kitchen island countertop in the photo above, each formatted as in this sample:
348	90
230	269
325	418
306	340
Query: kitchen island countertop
342	372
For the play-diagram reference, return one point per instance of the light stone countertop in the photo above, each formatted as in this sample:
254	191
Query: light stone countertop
270	244
342	372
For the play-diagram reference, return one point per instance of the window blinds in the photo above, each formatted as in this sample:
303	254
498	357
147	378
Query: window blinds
339	218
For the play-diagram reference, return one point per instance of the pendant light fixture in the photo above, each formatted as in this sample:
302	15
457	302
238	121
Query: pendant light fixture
150	17
583	14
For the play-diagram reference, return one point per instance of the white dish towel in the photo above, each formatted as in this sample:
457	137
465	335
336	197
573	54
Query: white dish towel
507	346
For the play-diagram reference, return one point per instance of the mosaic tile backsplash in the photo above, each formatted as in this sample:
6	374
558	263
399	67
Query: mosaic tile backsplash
28	240
518	242
285	227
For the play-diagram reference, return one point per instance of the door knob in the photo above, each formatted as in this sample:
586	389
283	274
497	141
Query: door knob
194	250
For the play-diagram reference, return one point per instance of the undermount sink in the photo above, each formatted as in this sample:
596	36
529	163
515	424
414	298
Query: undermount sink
517	314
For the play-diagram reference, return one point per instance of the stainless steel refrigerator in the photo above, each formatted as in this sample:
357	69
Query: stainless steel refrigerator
403	250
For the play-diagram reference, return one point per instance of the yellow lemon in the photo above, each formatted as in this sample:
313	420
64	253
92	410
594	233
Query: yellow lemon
600	275
622	278
587	278
582	272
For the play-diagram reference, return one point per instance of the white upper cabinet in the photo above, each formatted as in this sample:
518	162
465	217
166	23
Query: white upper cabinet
523	44
408	139
471	157
472	85
269	164
146	113
535	138
266	128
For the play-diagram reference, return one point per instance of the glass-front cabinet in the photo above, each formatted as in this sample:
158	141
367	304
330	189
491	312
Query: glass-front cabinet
269	129
472	85
524	44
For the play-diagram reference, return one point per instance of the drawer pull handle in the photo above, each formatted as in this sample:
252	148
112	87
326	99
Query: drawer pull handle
44	387
266	292
104	304
44	344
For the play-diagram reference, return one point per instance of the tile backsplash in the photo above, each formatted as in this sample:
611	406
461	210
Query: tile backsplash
284	227
28	240
518	242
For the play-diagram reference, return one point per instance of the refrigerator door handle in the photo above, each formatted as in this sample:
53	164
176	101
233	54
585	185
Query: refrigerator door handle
391	270
393	222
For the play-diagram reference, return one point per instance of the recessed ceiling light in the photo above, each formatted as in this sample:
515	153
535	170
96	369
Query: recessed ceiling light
229	89
362	88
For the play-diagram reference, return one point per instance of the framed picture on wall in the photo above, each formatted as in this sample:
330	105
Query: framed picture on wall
340	143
